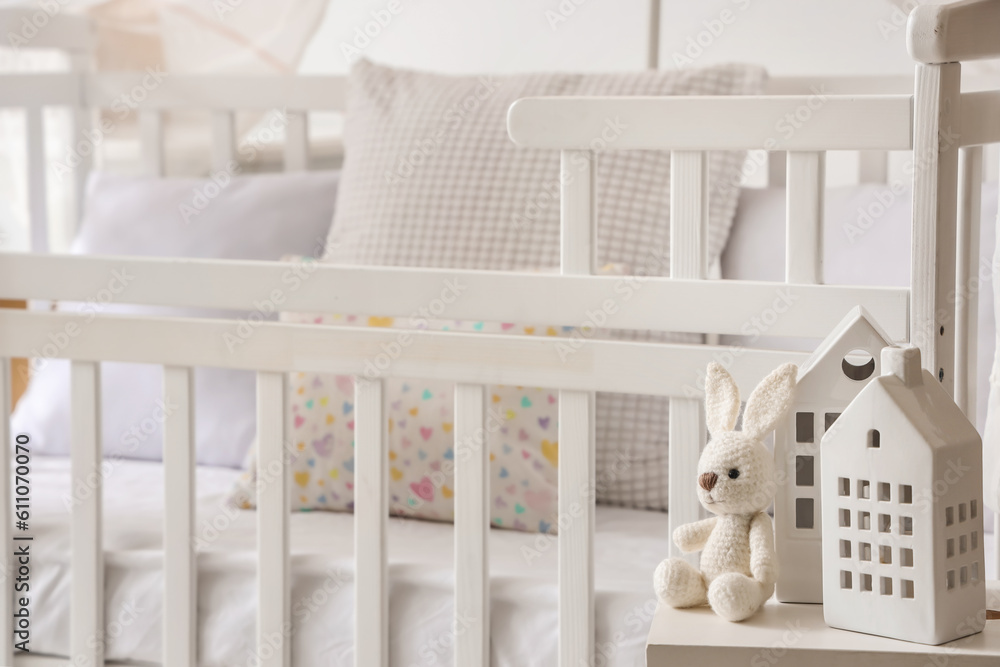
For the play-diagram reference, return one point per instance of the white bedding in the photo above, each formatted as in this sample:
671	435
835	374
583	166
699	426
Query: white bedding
523	578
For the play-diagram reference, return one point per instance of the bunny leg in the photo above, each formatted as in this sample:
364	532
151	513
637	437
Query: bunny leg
736	597
679	584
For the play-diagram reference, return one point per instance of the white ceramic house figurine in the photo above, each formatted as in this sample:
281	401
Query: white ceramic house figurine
827	383
736	485
902	510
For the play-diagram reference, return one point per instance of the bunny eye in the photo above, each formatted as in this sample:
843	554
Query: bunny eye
734	473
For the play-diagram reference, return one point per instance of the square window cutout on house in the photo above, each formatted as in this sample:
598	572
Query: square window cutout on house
866	582
961	512
885	554
906	589
963	544
884	492
906	525
844	486
845	548
906	557
846	579
949	579
885	585
963	576
804	511
905	494
845	518
804	427
949	516
884	523
949	547
874	438
864	520
804	470
864	489
829	419
973	508
864	551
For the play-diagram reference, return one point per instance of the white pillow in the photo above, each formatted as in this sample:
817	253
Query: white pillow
253	217
866	241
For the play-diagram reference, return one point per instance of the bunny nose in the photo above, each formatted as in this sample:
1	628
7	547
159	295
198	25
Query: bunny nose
707	480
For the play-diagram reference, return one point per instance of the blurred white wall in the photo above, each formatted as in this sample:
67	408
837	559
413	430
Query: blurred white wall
789	37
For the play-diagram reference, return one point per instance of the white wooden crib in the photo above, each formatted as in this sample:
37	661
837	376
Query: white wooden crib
944	127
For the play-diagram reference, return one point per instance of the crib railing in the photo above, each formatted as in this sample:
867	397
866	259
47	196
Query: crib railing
684	302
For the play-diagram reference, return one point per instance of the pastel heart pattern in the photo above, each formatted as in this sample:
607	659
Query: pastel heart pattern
550	450
543	422
424	489
425	432
302	479
299	421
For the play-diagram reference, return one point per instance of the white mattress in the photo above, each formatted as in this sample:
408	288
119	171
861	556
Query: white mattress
523	578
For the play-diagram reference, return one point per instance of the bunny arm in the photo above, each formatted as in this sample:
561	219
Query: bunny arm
763	563
693	536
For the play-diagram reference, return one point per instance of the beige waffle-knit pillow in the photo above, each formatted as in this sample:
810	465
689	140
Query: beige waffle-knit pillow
431	179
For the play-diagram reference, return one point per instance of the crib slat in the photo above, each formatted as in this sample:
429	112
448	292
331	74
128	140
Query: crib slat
804	217
273	507
371	513
87	592
970	184
578	244
688	259
223	139
472	525
151	142
933	257
873	167
37	204
180	598
83	122
6	581
297	141
776	169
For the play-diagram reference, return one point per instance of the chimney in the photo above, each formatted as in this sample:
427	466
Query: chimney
904	363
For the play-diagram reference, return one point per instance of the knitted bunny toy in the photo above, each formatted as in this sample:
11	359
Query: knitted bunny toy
735	483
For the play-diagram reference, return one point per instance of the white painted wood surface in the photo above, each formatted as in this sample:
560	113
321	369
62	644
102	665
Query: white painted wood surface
273	508
371	517
952	32
804	217
795	635
37	204
932	274
223	139
180	597
720	306
600	365
7	560
472	527
970	184
712	123
151	142
87	588
688	259
576	506
297	141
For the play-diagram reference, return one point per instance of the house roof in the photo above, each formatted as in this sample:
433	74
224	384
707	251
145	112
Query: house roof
927	407
858	330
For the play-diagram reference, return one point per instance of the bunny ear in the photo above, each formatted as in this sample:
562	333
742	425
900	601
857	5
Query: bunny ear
770	401
722	400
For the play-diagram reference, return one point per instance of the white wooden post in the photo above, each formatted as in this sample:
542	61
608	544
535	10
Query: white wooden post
6	579
804	217
371	514
688	259
970	183
180	597
472	526
273	507
297	141
776	169
935	179
151	142
578	239
223	139
37	202
86	619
